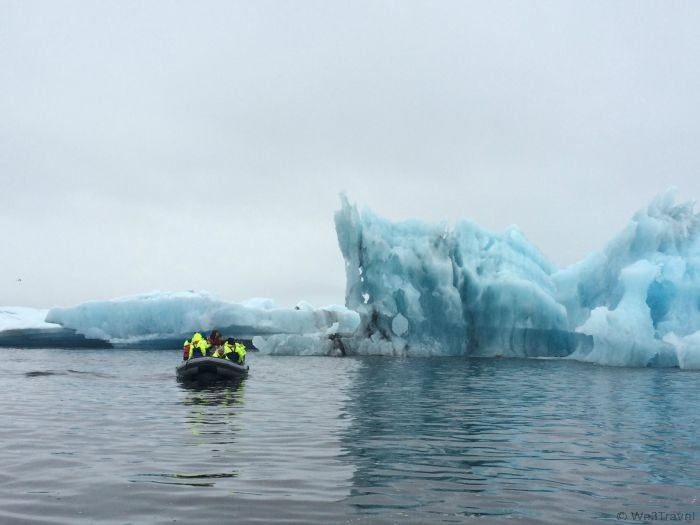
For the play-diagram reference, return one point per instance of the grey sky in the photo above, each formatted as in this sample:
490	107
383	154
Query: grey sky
202	145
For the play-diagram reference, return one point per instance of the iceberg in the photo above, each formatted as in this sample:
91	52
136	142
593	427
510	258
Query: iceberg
432	289
25	327
23	318
166	319
639	298
420	289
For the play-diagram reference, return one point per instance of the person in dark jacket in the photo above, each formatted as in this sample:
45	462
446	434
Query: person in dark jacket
215	339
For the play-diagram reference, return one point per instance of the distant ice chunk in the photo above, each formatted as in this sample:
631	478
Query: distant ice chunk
21	317
328	341
295	344
173	316
24	327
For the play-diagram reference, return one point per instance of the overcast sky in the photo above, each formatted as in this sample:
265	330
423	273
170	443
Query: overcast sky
202	145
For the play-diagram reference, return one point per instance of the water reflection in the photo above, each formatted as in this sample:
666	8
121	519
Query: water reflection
454	438
215	395
213	413
209	446
417	436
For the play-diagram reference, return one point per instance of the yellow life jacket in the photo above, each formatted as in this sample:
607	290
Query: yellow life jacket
240	351
200	344
220	352
228	348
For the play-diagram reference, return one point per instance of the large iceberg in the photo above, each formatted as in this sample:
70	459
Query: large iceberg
165	319
431	289
426	289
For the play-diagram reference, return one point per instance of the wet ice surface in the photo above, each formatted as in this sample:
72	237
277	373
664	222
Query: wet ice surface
104	436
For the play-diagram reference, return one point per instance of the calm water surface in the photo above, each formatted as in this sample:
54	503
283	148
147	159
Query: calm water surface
105	436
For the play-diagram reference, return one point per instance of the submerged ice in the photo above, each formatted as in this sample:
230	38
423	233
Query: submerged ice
425	289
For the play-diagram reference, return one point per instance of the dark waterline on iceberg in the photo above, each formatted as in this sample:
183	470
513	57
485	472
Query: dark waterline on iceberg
105	436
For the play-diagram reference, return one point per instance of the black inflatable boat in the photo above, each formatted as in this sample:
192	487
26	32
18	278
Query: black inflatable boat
210	370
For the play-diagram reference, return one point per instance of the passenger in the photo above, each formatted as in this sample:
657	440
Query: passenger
239	349
225	350
198	343
215	338
186	350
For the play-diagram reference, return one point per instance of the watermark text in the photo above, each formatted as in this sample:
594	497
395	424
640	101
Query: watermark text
656	515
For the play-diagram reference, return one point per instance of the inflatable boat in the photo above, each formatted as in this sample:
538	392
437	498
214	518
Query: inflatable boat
210	370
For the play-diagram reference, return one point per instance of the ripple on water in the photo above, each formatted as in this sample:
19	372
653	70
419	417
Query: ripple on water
109	436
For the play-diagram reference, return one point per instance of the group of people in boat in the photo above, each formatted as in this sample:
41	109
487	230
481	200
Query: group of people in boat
213	346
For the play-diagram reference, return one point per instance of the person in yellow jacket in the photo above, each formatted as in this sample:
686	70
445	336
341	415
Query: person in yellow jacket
186	346
224	351
239	349
198	343
231	350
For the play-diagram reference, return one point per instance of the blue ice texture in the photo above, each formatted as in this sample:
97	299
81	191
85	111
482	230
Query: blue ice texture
164	316
432	289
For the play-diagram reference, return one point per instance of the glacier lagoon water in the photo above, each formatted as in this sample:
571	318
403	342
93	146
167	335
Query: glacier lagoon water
104	436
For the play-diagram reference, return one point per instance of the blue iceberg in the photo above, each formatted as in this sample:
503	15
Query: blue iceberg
640	297
432	289
165	319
